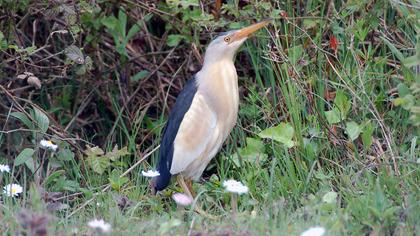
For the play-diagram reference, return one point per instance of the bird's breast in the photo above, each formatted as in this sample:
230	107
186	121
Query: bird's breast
220	86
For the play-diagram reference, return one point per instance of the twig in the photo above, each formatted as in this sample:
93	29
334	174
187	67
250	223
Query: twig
375	114
21	109
150	75
84	104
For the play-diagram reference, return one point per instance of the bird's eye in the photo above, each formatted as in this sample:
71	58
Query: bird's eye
227	39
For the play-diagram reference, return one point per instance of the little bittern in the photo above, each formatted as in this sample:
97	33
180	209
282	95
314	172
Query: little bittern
204	113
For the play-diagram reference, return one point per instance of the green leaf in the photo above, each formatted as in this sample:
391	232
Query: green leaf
120	47
295	53
67	185
341	107
184	3
41	119
148	17
3	42
403	90
53	177
117	153
25	157
174	39
110	22
75	54
87	66
94	151
321	176
342	103
23	118
367	135
96	160
140	75
65	155
399	101
253	151
353	130
87	192
81	70
330	197
375	212
393	49
98	163
116	181
407	102
333	116
122	22
282	133
88	63
411	61
133	31
30	50
310	23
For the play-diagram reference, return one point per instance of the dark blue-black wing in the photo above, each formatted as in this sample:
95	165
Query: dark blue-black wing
182	104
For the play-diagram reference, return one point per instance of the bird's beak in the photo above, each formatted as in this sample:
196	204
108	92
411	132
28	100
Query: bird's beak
245	32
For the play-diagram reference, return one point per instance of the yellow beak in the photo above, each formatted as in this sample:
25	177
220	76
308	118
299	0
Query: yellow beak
245	32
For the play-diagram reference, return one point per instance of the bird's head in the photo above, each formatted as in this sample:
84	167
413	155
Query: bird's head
225	45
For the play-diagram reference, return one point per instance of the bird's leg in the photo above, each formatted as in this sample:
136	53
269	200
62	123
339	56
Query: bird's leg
190	188
184	186
187	187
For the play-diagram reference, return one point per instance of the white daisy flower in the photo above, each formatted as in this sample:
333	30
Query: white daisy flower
100	225
314	231
48	144
150	173
182	199
234	186
4	168
12	190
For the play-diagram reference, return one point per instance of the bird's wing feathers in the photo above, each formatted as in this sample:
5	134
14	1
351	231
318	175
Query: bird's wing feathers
194	134
181	107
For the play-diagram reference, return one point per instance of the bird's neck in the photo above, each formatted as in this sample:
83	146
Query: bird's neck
219	76
219	83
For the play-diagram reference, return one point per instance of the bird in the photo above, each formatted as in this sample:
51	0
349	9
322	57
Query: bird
204	113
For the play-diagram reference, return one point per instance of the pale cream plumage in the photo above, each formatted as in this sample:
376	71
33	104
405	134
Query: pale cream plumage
209	120
204	114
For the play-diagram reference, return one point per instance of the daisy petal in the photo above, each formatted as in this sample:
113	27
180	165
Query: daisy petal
4	168
48	144
314	231
100	225
12	190
234	186
150	173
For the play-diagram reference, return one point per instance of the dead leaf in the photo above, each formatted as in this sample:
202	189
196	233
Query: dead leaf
329	95
34	81
123	202
24	75
21	76
334	43
283	14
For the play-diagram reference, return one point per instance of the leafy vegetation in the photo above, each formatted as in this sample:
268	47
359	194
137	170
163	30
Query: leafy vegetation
327	131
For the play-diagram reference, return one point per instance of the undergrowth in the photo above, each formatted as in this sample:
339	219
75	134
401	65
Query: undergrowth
327	132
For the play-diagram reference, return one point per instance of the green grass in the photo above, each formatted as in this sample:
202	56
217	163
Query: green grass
353	168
